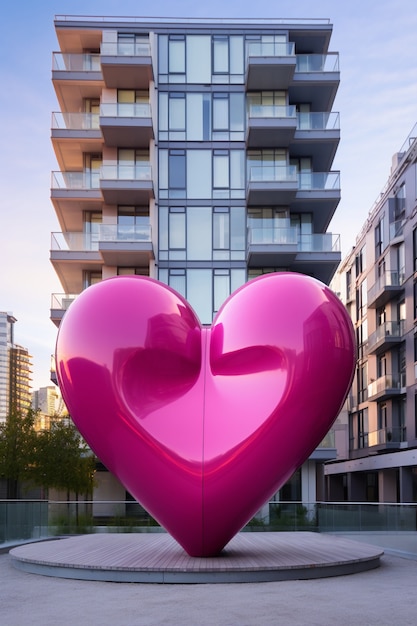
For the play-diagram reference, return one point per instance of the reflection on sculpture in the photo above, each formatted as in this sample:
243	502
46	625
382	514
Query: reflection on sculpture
203	425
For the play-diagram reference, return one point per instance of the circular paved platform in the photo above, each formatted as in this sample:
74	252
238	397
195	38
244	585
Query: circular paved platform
157	558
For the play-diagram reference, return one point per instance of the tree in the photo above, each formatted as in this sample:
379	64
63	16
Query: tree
17	440
62	460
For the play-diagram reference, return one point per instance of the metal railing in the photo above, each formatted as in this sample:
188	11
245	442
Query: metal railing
62	301
387	436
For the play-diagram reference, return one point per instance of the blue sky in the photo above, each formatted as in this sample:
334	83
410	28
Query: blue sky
377	101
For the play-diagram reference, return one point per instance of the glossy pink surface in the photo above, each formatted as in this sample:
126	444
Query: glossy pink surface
204	425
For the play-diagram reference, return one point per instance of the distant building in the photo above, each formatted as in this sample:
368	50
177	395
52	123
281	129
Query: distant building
15	370
376	434
47	401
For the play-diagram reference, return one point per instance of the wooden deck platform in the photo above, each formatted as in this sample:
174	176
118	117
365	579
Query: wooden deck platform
157	558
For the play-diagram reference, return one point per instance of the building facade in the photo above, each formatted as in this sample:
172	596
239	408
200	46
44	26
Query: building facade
377	455
15	370
197	152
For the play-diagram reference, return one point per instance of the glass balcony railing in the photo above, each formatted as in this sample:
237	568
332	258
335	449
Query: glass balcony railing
387	436
318	121
126	48
273	173
329	440
73	181
388	329
84	242
269	49
76	62
386	383
28	520
128	171
62	301
269	111
306	181
126	109
317	242
396	229
75	121
281	236
388	279
319	181
322	63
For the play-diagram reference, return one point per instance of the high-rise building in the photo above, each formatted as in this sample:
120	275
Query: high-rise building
195	151
377	433
15	370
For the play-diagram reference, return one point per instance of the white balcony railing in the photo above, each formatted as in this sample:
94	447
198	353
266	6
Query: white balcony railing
315	242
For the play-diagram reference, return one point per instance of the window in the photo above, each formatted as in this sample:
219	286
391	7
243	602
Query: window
360	262
205	289
379	238
133	223
132	271
202	233
220	54
400	199
381	316
176	171
415	249
362	383
176	54
361	300
415	299
133	164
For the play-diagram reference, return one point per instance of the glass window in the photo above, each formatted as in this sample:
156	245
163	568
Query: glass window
176	116
177	228
176	170
236	55
199	293
221	287
176	52
221	169
199	59
199	233
220	54
199	174
220	112
195	116
221	228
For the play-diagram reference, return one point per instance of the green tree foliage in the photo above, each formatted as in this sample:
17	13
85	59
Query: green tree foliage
62	460
55	458
17	439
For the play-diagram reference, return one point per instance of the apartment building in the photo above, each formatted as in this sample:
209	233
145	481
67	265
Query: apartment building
15	370
198	152
377	433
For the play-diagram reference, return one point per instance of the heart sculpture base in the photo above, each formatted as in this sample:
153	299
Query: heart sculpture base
203	425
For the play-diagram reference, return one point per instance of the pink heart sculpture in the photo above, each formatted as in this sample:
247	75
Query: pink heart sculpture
202	425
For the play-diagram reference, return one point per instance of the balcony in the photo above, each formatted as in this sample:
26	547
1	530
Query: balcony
388	438
129	183
72	191
396	231
316	80
126	125
319	194
270	126
112	244
71	254
127	65
60	302
386	387
75	130
387	286
271	184
269	65
76	77
128	246
319	253
385	337
317	136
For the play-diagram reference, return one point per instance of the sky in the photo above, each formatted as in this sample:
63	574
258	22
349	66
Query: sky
377	102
